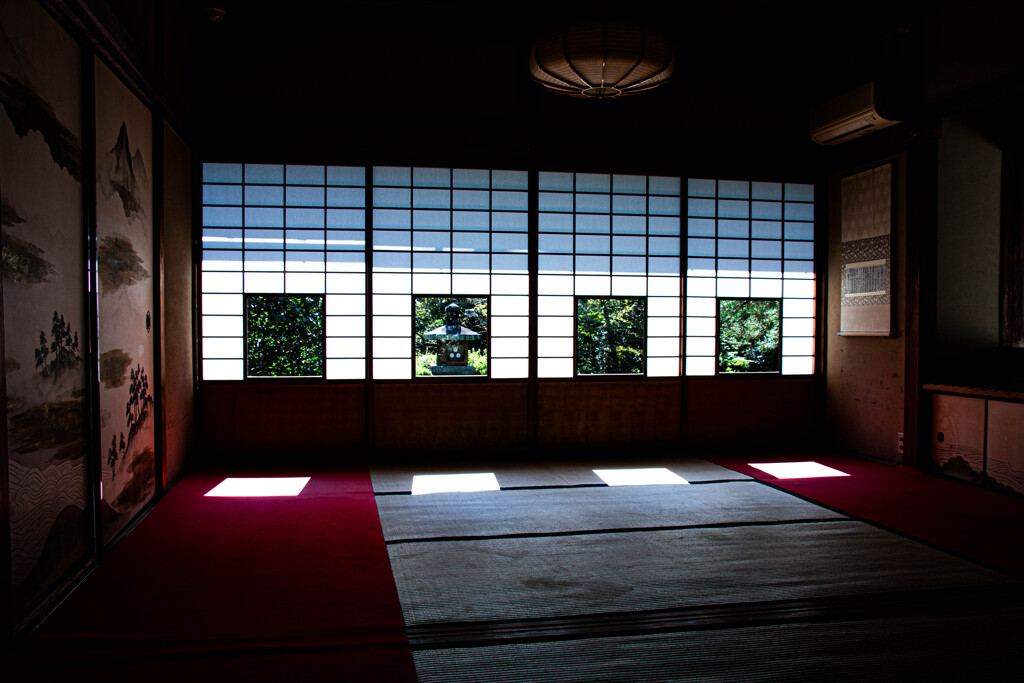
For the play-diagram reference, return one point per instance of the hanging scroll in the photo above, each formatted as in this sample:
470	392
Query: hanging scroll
867	253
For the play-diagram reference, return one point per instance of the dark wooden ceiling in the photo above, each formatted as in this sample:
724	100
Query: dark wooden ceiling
415	78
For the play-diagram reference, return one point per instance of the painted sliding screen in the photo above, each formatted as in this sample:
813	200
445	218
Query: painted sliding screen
44	326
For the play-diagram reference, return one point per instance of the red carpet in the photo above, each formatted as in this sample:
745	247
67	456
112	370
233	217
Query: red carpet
278	588
982	525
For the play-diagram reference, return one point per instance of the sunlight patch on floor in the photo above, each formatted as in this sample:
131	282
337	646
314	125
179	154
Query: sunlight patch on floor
258	487
797	470
454	483
645	476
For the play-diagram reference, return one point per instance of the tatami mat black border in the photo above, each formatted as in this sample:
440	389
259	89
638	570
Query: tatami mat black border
677	620
625	530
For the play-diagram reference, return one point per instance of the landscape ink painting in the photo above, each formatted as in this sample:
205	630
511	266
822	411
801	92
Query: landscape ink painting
44	298
124	269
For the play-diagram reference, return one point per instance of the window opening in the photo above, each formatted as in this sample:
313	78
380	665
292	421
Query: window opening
748	240
610	335
749	335
608	235
284	335
449	232
451	336
283	229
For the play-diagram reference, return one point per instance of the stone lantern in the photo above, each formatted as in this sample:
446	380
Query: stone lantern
452	344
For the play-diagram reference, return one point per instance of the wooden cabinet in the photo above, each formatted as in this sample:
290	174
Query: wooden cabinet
1005	445
978	436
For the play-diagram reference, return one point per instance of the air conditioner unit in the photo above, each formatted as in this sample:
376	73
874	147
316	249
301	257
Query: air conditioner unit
847	116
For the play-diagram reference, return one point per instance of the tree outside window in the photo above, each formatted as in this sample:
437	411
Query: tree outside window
610	334
749	332
284	336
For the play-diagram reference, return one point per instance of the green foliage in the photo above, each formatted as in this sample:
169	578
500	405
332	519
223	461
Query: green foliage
478	359
748	335
63	346
285	336
424	361
610	336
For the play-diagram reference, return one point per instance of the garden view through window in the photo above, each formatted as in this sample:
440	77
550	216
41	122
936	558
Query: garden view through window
749	335
284	335
451	335
610	335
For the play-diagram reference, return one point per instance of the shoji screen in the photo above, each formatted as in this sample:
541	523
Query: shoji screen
603	235
750	240
439	231
283	229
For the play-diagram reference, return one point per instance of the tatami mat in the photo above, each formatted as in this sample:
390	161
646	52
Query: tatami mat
398	478
971	646
591	574
546	511
558	577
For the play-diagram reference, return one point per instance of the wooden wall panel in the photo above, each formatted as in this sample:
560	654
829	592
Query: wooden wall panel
267	419
1005	463
958	437
608	413
435	416
866	377
176	363
967	238
749	409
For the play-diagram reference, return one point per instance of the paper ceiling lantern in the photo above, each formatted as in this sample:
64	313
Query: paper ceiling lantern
602	59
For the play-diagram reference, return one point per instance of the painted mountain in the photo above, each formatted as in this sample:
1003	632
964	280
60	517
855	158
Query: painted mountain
121	172
28	111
